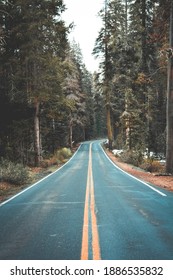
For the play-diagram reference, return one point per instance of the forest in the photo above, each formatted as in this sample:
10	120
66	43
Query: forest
48	98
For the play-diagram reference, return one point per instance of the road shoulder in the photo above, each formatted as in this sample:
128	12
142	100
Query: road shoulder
164	182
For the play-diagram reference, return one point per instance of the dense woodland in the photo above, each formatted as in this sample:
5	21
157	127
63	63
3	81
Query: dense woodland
48	99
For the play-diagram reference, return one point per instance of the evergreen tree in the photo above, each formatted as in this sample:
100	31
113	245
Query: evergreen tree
99	108
133	71
75	92
36	39
107	47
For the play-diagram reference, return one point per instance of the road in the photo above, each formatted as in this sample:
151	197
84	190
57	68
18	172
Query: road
88	209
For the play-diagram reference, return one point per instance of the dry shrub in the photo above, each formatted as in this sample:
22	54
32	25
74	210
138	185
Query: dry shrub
49	162
132	157
60	156
152	166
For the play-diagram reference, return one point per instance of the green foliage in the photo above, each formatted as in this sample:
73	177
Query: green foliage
129	43
35	73
13	173
37	64
63	154
60	156
136	158
132	157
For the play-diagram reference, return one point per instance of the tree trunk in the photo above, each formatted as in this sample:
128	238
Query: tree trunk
109	125
107	93
144	38
169	144
71	132
37	146
71	135
84	134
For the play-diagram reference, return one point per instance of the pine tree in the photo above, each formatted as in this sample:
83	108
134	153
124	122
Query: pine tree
107	46
99	108
132	61
74	89
36	39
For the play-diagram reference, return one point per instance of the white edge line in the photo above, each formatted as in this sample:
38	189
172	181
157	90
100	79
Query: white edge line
132	175
30	187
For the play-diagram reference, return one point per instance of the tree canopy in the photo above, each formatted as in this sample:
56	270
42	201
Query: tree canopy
49	99
134	46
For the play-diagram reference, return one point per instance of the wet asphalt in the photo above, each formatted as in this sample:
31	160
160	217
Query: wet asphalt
45	222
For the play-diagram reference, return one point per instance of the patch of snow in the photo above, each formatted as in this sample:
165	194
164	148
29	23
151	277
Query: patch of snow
117	152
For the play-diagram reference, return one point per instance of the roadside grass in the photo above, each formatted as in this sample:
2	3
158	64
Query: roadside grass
15	177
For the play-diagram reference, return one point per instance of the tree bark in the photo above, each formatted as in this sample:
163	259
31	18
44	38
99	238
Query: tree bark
107	93
71	135
37	144
169	143
109	126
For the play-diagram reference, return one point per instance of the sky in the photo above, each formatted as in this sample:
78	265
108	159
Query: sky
84	14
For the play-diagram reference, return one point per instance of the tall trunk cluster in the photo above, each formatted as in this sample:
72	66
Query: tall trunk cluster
107	93
169	147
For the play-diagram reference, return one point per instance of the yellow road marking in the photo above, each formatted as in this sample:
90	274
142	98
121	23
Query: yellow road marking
90	208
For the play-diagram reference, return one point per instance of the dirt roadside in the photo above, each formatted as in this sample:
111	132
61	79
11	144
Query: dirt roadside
8	190
164	182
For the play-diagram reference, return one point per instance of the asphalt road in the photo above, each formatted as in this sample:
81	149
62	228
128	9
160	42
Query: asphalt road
88	209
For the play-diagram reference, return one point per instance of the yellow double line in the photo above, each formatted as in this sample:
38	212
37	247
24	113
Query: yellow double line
90	225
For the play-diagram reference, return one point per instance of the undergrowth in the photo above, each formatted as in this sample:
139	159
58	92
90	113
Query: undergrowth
13	173
136	158
59	156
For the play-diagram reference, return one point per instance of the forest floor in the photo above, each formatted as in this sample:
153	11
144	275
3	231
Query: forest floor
8	190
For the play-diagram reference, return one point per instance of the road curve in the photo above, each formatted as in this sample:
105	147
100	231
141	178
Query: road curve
89	209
